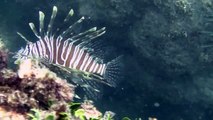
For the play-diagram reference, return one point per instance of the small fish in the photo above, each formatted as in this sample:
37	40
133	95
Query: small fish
70	51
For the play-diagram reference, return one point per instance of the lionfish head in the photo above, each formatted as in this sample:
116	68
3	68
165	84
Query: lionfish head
19	56
18	53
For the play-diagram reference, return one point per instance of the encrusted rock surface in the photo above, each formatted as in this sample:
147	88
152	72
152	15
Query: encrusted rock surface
32	87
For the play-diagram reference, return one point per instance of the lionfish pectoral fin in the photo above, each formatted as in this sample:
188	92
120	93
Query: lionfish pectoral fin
65	69
93	89
97	78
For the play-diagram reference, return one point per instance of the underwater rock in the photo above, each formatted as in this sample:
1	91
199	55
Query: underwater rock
165	36
179	56
170	39
113	11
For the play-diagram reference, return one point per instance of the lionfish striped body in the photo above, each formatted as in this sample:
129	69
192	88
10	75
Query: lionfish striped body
64	53
70	51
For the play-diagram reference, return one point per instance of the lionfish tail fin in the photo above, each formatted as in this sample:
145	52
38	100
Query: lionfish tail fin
113	72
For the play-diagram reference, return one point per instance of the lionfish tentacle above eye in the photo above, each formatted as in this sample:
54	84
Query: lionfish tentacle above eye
70	50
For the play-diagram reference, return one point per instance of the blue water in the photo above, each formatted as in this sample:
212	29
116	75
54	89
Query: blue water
167	56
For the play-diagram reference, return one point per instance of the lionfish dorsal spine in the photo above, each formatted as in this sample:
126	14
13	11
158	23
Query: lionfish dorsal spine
52	19
71	27
88	37
84	33
24	38
70	14
33	28
41	23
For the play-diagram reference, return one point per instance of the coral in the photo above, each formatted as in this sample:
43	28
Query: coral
33	87
5	114
112	11
3	59
34	92
90	111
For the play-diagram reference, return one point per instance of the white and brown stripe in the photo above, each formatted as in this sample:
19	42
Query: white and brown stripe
64	53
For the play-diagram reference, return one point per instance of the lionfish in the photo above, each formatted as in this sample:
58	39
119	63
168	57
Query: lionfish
70	50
